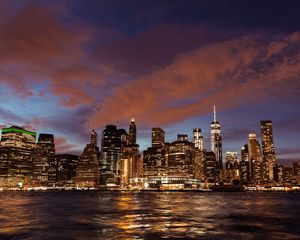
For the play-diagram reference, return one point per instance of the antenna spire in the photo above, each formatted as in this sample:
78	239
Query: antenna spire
215	114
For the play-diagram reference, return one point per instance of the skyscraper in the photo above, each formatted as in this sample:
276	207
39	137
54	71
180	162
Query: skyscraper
158	137
255	159
154	161
110	156
66	170
245	165
16	155
268	151
132	132
87	172
216	140
210	167
180	158
43	156
198	139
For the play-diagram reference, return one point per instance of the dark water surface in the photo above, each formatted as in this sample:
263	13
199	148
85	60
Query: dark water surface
149	215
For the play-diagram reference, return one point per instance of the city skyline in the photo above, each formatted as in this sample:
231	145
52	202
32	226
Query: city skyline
165	63
205	144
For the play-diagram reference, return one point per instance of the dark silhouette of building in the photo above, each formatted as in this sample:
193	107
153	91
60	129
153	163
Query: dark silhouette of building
158	137
66	165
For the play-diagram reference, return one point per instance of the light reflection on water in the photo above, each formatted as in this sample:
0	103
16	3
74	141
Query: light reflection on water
149	215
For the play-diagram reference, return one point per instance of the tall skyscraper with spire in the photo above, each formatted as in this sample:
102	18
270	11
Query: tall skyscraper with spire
216	139
132	132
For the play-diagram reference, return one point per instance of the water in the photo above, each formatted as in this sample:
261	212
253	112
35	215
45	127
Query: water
149	215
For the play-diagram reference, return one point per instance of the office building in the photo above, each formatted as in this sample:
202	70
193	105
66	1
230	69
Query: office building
198	139
268	151
43	155
158	137
88	170
17	148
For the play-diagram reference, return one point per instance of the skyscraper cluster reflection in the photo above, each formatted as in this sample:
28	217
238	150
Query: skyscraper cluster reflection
119	164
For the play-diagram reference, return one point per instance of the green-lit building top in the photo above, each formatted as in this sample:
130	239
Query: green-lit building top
15	129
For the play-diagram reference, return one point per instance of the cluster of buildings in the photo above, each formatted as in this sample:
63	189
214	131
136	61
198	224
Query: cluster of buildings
28	162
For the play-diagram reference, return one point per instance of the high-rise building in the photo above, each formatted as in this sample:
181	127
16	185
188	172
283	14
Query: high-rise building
132	132
210	167
16	155
158	137
154	160
216	140
245	165
131	164
231	160
200	165
232	167
267	150
198	139
180	158
87	172
296	168
66	170
43	155
110	161
255	158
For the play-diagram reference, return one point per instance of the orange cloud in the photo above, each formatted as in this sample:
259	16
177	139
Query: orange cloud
227	73
36	47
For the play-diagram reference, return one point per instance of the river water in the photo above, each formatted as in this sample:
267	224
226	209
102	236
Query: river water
149	215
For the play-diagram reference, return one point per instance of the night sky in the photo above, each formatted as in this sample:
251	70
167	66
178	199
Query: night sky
67	67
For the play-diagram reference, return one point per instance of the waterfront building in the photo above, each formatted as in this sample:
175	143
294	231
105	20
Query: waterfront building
288	174
43	155
66	165
180	158
154	159
232	168
131	165
16	156
216	140
255	158
198	139
245	165
110	156
199	167
279	173
154	162
211	167
88	170
268	151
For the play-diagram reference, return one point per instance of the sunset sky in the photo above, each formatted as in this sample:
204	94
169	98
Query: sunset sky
67	67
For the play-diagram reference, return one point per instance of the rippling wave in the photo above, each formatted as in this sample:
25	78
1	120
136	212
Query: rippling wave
149	215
